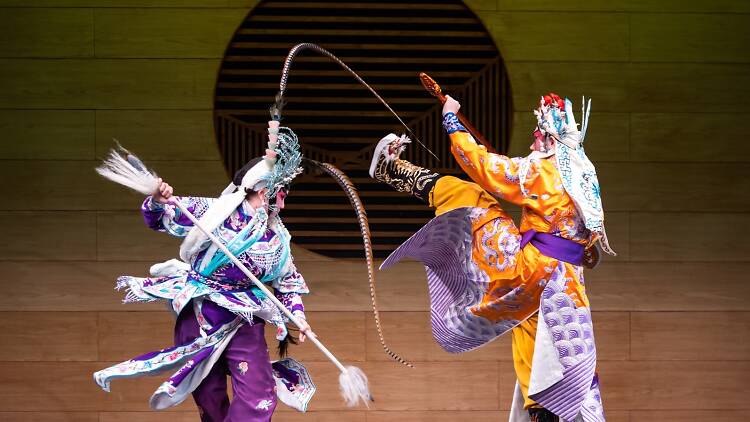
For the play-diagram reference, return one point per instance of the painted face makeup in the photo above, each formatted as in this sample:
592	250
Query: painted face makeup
280	197
538	144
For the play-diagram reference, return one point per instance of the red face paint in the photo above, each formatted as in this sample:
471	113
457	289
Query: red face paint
280	196
538	144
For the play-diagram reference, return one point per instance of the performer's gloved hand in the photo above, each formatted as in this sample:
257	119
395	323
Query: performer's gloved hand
164	192
305	330
450	105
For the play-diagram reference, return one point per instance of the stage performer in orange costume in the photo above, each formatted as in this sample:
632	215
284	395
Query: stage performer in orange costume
486	276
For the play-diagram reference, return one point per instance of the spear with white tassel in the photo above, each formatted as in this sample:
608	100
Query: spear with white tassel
128	170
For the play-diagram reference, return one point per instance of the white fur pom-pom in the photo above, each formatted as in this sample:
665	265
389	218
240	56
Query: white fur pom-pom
126	169
354	387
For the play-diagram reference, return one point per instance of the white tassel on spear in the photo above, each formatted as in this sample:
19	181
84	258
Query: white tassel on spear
128	170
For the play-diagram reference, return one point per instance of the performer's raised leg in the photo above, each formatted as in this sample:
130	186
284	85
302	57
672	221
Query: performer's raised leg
444	193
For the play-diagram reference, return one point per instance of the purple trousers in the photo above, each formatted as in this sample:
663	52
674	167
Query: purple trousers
245	359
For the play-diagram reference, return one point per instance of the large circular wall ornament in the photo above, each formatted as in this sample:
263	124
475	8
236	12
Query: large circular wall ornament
338	121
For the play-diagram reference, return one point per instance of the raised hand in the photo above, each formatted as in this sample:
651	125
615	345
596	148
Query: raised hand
305	331
164	192
450	105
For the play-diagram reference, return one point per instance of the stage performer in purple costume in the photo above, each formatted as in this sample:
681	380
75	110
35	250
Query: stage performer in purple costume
220	314
487	277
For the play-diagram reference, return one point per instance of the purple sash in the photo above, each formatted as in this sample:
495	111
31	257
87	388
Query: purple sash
554	246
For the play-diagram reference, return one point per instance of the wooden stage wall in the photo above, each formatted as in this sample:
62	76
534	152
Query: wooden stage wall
670	82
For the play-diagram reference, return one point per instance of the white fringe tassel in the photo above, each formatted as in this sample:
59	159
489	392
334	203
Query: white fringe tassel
124	168
353	386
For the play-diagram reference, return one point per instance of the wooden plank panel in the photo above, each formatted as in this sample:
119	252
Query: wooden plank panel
279	416
158	134
121	335
657	286
76	84
47	33
124	236
395	387
575	5
618	232
342	332
68	286
507	384
687	87
130	3
689	415
342	286
673	385
301	254
723	336
49	185
607	139
689	237
580	37
437	416
282	415
339	286
49	336
74	185
652	186
47	134
150	416
618	415
124	335
150	33
409	335
41	236
54	387
479	6
612	331
49	416
642	87
690	37
688	137
678	6
605	83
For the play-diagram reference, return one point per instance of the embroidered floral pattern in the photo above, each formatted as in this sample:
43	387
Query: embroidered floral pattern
499	244
264	405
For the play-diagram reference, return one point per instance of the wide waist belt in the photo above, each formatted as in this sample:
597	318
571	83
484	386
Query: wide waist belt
554	246
221	285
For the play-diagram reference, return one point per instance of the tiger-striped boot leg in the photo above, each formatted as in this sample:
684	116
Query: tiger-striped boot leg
402	175
542	415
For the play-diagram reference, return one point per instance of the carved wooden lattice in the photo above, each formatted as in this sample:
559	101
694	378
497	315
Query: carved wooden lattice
388	43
